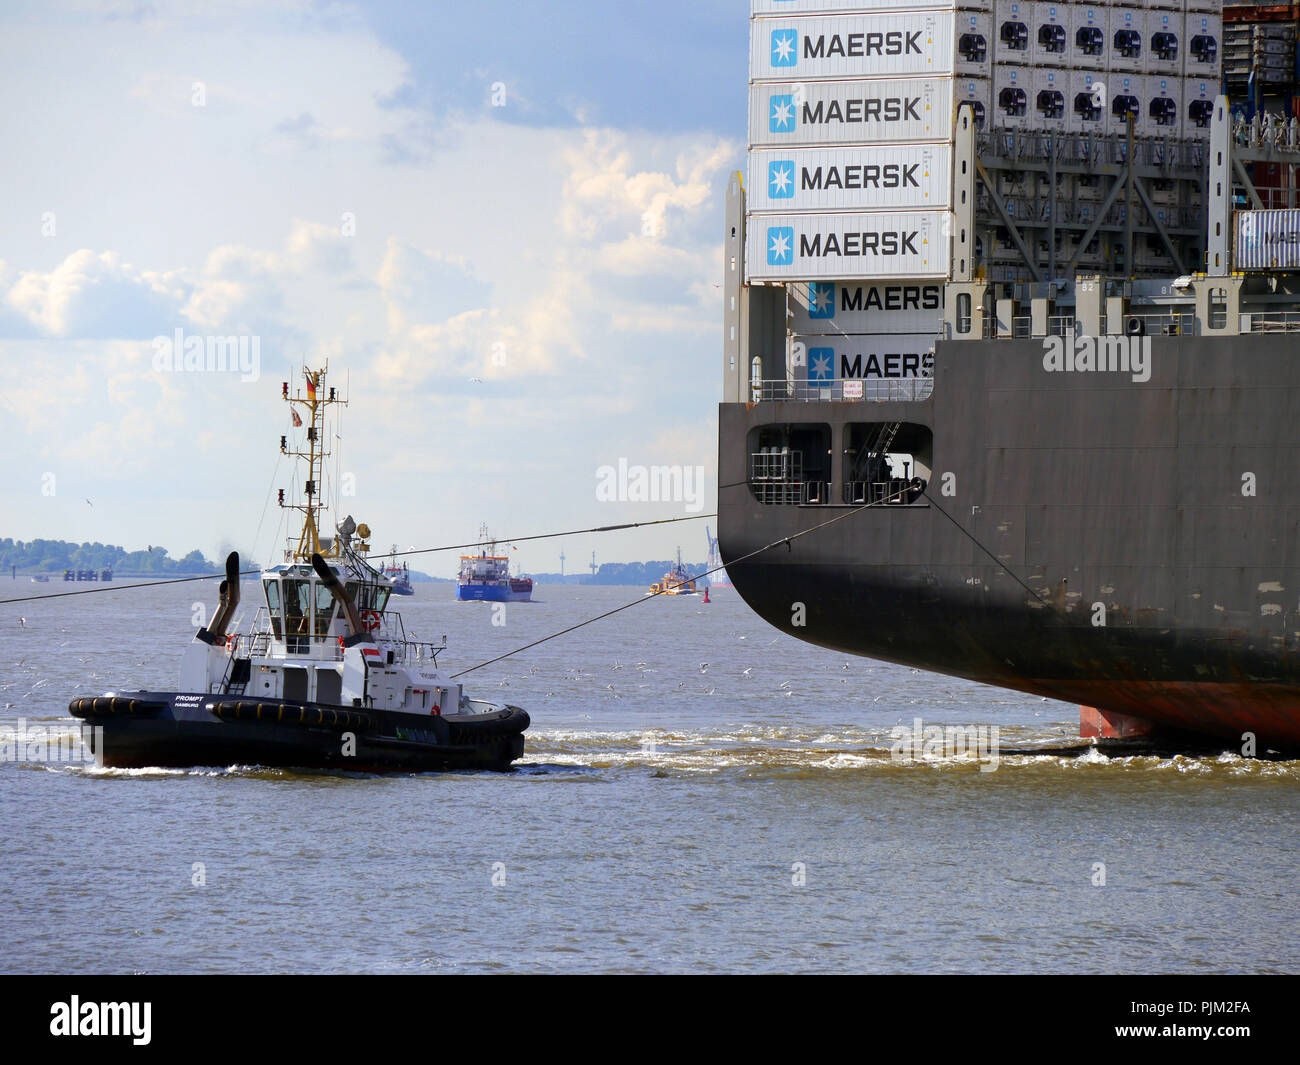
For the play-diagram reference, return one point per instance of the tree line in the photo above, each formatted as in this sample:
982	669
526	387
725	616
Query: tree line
55	556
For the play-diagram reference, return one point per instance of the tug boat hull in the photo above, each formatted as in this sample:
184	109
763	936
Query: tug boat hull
184	729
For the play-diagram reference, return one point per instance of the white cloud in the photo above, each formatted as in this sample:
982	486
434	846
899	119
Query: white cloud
571	272
94	295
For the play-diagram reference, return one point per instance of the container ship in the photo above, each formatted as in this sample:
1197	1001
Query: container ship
485	577
1011	321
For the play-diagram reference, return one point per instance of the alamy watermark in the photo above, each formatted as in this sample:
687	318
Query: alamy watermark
1106	354
651	484
180	353
42	744
923	741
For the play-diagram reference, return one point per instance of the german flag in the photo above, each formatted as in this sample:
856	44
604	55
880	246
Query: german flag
311	385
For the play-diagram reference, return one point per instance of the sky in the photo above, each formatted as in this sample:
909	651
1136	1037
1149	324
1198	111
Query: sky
500	223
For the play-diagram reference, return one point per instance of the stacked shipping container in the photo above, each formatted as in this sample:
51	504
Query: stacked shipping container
852	105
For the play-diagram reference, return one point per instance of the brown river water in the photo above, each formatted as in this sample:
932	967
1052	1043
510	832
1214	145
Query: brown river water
700	793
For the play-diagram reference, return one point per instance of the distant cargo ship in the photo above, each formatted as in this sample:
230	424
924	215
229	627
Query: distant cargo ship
400	575
485	577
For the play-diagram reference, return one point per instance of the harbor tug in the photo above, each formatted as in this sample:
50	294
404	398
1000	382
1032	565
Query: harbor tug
325	677
675	582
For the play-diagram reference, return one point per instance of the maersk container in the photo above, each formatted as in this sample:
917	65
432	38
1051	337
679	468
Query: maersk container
973	43
1124	98
1126	39
861	178
1049	99
1164	43
1162	106
1267	240
1049	31
977	91
876	244
870	358
1202	45
1198	107
884	110
852	46
819	308
1013	98
1086	102
1011	29
1088	44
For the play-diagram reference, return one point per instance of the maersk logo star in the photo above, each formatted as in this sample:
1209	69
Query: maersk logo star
821	366
821	299
783	48
780	179
780	245
781	116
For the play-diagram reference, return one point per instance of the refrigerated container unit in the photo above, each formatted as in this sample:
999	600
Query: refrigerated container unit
1198	107
1087	102
1202	35
1126	31
973	40
1051	93
1050	31
977	91
1164	53
1011	20
1088	37
1162	99
1123	98
1011	88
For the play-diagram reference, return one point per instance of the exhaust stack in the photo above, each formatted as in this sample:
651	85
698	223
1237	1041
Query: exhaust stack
340	596
229	599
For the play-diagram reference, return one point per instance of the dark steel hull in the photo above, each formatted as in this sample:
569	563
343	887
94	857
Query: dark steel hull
1088	488
180	730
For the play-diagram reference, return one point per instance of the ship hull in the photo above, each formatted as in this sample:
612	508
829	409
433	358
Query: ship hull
181	730
494	593
483	593
1129	546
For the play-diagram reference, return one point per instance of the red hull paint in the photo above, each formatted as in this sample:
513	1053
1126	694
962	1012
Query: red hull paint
1104	725
1226	710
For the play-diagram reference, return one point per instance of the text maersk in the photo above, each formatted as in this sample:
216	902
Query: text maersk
865	176
862	45
884	109
884	242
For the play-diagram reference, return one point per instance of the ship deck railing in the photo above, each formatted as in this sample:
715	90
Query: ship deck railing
892	493
883	390
791	493
256	643
1271	322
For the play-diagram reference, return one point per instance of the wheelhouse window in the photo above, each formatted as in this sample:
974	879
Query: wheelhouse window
368	596
297	613
273	607
324	610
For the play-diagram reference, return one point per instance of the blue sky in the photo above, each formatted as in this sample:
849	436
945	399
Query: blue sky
500	223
